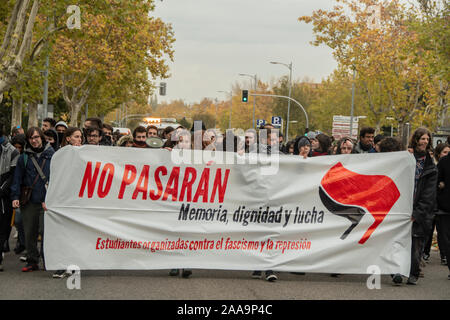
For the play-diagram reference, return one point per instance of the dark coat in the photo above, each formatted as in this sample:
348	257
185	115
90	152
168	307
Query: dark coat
443	195
8	160
425	199
25	176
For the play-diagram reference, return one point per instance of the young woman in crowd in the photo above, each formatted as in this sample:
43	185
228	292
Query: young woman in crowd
72	136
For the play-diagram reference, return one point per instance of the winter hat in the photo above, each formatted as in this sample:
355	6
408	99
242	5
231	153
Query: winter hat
311	135
52	133
301	142
123	140
61	123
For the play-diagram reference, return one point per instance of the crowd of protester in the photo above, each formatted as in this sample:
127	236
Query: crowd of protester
25	169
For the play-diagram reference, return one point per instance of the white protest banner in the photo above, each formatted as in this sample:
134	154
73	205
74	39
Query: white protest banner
130	208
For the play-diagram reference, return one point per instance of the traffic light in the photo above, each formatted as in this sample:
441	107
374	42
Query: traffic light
244	95
162	89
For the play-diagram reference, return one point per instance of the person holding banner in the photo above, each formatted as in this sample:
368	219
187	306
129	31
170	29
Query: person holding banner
29	189
443	200
440	151
424	197
8	161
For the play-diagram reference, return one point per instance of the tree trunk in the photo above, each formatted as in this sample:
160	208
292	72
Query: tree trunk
32	115
74	112
10	52
16	117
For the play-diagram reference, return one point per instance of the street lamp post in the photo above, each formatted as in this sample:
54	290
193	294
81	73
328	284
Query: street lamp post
231	104
289	66
254	100
353	102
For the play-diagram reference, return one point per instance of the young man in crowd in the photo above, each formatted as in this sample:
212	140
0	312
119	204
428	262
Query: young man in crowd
60	128
37	154
377	141
251	143
16	130
93	135
152	131
93	122
48	123
107	139
365	144
139	137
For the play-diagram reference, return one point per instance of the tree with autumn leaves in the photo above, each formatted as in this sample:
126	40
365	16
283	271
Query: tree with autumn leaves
394	68
112	59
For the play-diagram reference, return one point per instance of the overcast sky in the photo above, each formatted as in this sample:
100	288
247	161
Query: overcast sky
218	39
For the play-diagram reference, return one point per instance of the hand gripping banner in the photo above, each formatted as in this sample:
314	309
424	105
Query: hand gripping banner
141	209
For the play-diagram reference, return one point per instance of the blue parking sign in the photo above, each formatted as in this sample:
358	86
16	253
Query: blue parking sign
260	122
277	121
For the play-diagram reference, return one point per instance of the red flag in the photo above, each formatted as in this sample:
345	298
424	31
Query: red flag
351	195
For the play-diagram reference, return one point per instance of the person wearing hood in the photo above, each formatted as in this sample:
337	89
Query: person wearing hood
51	136
61	128
8	161
29	189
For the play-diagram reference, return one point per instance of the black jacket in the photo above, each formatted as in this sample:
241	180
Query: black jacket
25	176
443	195
424	199
8	160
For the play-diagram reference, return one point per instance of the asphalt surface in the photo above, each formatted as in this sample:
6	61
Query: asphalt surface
215	285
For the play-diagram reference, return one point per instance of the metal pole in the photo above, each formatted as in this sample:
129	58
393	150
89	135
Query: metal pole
353	102
289	101
392	130
231	106
215	118
254	106
45	99
278	96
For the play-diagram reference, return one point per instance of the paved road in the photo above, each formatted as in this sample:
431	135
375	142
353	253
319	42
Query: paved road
214	284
